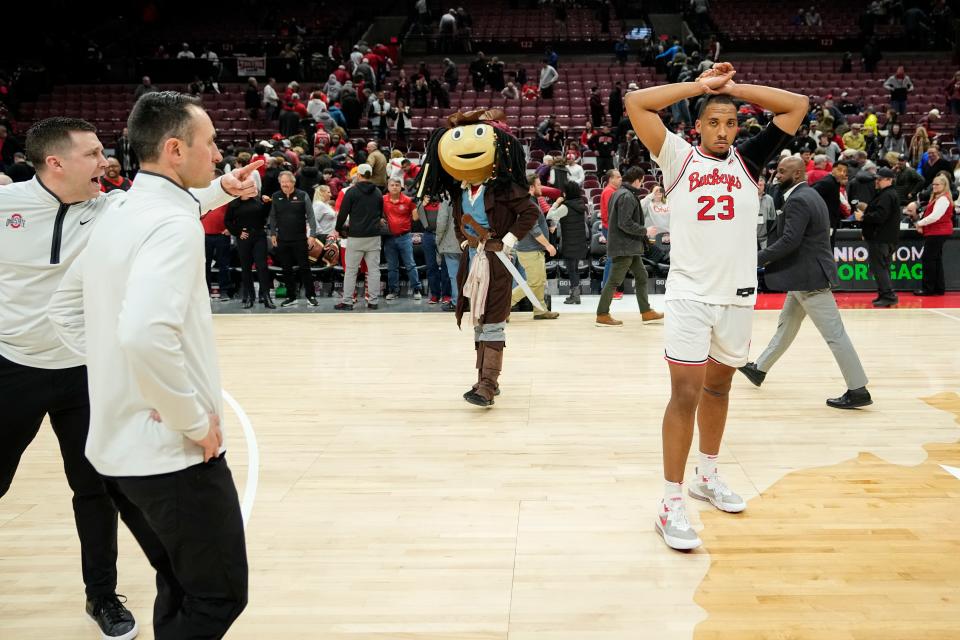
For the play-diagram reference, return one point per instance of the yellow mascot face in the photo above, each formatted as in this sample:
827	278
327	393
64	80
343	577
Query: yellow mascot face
468	152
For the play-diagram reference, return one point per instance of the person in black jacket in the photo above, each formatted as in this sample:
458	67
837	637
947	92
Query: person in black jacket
291	212
571	213
881	230
829	189
246	220
801	263
363	206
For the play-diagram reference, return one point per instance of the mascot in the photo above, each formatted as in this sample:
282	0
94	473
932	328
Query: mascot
480	166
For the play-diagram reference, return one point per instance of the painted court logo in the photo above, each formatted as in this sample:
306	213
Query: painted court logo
16	221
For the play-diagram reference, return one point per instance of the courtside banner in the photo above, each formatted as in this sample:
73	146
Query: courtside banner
906	271
251	66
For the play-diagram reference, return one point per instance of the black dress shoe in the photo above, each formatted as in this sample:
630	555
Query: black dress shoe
373	306
852	399
247	304
312	301
268	303
288	302
924	292
886	302
753	374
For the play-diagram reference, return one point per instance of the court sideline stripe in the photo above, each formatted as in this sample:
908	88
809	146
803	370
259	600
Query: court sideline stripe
253	458
945	315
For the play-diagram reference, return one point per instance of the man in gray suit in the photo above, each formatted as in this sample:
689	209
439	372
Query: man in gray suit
801	263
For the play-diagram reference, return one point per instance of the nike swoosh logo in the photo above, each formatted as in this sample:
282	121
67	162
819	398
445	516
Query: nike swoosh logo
83	222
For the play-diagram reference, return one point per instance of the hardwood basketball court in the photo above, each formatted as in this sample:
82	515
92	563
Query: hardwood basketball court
388	508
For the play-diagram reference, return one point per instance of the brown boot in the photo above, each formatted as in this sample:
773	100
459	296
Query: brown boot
606	320
489	374
480	352
651	317
547	315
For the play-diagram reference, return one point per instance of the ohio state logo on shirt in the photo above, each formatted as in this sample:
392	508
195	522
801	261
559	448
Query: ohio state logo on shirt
714	178
16	221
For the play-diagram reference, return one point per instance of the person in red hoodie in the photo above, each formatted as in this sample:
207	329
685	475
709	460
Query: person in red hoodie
400	213
218	248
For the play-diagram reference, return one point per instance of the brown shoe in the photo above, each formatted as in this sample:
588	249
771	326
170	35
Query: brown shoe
651	317
547	315
606	320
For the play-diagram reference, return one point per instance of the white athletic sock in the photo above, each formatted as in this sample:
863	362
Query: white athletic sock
708	465
672	490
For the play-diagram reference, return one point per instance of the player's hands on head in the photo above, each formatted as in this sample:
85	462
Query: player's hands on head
714	81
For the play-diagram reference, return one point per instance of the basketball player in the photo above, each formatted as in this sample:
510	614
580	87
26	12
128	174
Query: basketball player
711	288
44	225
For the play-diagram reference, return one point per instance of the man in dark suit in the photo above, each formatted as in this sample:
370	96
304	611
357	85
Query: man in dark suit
801	263
829	189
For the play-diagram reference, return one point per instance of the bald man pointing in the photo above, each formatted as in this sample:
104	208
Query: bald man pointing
801	263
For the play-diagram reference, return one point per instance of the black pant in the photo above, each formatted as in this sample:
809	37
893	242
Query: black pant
573	271
881	255
253	250
547	92
604	164
218	248
189	526
28	394
933	278
295	252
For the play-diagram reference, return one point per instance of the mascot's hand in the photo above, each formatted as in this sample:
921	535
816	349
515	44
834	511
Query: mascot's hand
509	241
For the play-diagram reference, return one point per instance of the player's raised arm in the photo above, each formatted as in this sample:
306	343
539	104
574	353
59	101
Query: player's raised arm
642	106
790	109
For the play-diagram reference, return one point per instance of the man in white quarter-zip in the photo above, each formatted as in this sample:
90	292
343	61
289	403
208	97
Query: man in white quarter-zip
136	304
44	225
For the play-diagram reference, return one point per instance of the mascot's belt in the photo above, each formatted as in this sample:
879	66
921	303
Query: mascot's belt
484	235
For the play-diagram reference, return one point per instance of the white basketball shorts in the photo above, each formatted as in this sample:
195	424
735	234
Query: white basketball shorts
697	331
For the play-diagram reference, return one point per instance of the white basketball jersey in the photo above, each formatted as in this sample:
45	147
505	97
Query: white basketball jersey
714	204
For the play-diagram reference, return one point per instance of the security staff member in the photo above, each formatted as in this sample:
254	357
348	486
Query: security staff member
801	263
44	225
881	230
291	212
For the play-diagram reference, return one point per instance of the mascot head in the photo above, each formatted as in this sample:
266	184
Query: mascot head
473	148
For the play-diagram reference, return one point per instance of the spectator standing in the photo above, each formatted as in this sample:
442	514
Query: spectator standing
908	182
953	93
605	145
530	254
112	179
935	225
935	164
145	86
881	230
548	78
767	217
378	112
614	180
251	98
291	213
439	284
570	212
271	101
895	142
656	212
129	165
246	219
363	205
324	213
478	71
614	105
21	171
378	161
449	248
400	213
829	188
626	241
596	106
450	75
217	248
900	86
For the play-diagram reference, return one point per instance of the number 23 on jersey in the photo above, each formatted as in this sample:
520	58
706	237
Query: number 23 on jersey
720	208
